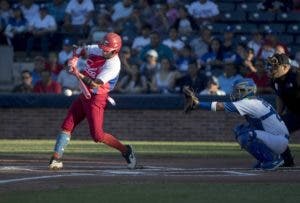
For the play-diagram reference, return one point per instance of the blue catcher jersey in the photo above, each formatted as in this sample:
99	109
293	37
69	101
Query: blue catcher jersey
260	115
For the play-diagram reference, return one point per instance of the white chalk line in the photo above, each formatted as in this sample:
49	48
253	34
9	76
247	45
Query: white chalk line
147	171
42	177
121	171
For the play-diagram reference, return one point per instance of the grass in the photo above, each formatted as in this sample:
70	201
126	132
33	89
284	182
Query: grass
89	148
168	192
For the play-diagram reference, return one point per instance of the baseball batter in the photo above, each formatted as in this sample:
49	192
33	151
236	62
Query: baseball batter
264	136
100	76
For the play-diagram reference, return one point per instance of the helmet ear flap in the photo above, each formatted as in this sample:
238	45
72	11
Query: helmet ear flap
111	42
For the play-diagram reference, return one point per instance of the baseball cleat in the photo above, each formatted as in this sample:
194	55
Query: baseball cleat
55	164
288	158
130	157
272	165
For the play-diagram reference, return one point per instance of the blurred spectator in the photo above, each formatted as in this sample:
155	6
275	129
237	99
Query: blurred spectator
261	78
129	28
46	84
150	66
193	78
147	9
155	43
67	51
103	25
200	44
269	45
228	44
212	87
164	79
279	49
53	65
41	27
248	62
126	61
296	5
185	23
2	28
227	79
78	17
57	9
5	12
241	54
213	59
68	82
297	58
276	5
26	84
141	40
174	42
184	59
29	10
267	50
15	30
133	82
172	11
38	66
256	42
204	11
159	20
122	10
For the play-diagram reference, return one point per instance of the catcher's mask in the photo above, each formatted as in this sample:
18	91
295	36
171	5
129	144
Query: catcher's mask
275	61
243	88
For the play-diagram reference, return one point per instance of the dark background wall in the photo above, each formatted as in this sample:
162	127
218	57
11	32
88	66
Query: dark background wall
161	123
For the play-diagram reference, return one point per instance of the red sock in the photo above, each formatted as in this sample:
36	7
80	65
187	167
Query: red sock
113	142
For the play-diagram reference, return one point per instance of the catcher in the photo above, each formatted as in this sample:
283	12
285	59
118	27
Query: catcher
264	136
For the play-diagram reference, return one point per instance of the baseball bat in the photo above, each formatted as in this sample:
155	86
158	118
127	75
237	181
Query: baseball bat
84	89
82	86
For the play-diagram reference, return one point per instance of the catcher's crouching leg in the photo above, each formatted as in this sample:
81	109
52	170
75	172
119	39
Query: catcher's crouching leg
191	101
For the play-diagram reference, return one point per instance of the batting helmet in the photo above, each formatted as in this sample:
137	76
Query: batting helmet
111	42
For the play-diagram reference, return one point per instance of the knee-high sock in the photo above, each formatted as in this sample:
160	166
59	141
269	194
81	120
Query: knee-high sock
62	141
113	142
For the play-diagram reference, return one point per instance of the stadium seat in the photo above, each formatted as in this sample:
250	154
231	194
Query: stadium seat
293	28
234	16
225	7
261	17
298	40
286	39
217	27
244	38
288	17
276	28
245	28
293	48
247	6
230	1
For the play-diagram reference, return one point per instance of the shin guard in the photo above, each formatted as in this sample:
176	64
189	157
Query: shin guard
247	139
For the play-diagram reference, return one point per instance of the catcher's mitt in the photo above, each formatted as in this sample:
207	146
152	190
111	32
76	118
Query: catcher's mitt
191	101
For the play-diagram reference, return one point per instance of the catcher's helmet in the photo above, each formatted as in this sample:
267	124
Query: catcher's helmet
243	88
111	42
